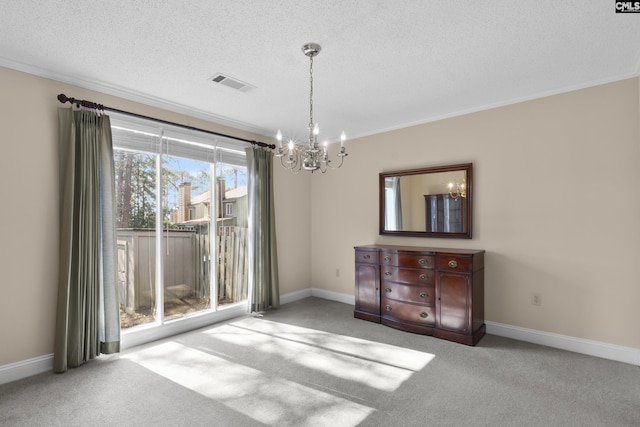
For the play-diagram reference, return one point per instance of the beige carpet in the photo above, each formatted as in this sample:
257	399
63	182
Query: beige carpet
310	363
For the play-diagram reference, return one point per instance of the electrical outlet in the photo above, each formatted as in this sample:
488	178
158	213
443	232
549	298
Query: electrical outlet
536	299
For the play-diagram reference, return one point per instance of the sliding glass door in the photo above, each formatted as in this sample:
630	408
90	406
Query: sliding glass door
182	222
136	209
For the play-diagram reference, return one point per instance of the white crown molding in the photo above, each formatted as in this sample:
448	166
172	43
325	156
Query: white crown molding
225	121
505	103
131	96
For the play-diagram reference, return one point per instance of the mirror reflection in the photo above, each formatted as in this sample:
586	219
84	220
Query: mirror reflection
427	202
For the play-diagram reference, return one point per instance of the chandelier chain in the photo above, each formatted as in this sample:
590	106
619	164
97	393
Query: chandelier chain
311	94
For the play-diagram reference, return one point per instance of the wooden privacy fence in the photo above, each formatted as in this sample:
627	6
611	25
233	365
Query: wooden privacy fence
187	263
232	264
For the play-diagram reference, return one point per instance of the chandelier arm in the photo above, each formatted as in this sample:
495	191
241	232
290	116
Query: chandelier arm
291	163
339	165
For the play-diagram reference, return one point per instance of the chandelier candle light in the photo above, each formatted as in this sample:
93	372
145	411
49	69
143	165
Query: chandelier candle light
311	157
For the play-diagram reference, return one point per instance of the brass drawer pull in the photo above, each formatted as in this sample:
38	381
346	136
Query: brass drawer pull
423	276
422	261
453	263
387	273
423	294
387	307
423	315
367	256
387	258
387	290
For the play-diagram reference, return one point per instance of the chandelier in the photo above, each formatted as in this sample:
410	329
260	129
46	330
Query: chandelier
458	189
311	157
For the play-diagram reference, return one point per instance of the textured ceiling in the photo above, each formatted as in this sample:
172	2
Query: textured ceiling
384	64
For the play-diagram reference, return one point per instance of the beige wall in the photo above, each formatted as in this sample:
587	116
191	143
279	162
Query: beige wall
549	221
555	207
29	216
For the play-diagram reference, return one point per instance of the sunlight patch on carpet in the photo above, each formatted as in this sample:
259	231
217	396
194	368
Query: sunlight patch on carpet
269	400
377	365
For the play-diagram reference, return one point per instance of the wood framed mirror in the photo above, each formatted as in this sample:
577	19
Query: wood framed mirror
427	202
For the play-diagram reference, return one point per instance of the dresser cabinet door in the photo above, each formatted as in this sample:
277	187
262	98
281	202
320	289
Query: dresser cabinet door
368	288
454	301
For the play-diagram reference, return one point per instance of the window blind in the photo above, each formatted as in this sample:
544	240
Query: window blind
130	133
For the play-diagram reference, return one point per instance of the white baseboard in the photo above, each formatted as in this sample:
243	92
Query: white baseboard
38	365
320	293
295	296
577	345
142	335
333	296
26	368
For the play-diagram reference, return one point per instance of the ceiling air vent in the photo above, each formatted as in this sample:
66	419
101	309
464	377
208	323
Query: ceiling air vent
231	82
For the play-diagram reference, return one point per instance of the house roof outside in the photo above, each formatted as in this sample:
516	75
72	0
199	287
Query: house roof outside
235	193
232	194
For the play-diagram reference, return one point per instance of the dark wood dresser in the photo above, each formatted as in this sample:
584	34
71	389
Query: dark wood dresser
429	291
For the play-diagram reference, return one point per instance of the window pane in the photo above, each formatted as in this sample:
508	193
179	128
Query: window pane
186	236
232	216
136	238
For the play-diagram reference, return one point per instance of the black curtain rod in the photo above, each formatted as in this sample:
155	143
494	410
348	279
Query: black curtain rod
88	104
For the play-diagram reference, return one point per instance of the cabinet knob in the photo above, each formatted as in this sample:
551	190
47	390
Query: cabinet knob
424	315
423	294
387	307
387	273
367	256
387	258
423	276
387	290
453	263
422	261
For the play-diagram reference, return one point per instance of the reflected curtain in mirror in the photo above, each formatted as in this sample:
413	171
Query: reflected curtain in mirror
88	321
393	209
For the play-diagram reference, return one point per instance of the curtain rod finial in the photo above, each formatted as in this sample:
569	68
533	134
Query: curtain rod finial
63	98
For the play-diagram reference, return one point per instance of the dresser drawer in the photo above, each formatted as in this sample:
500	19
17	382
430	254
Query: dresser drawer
415	294
407	260
365	256
407	275
454	263
408	312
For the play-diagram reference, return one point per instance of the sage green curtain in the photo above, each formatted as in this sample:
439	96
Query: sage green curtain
88	320
264	291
